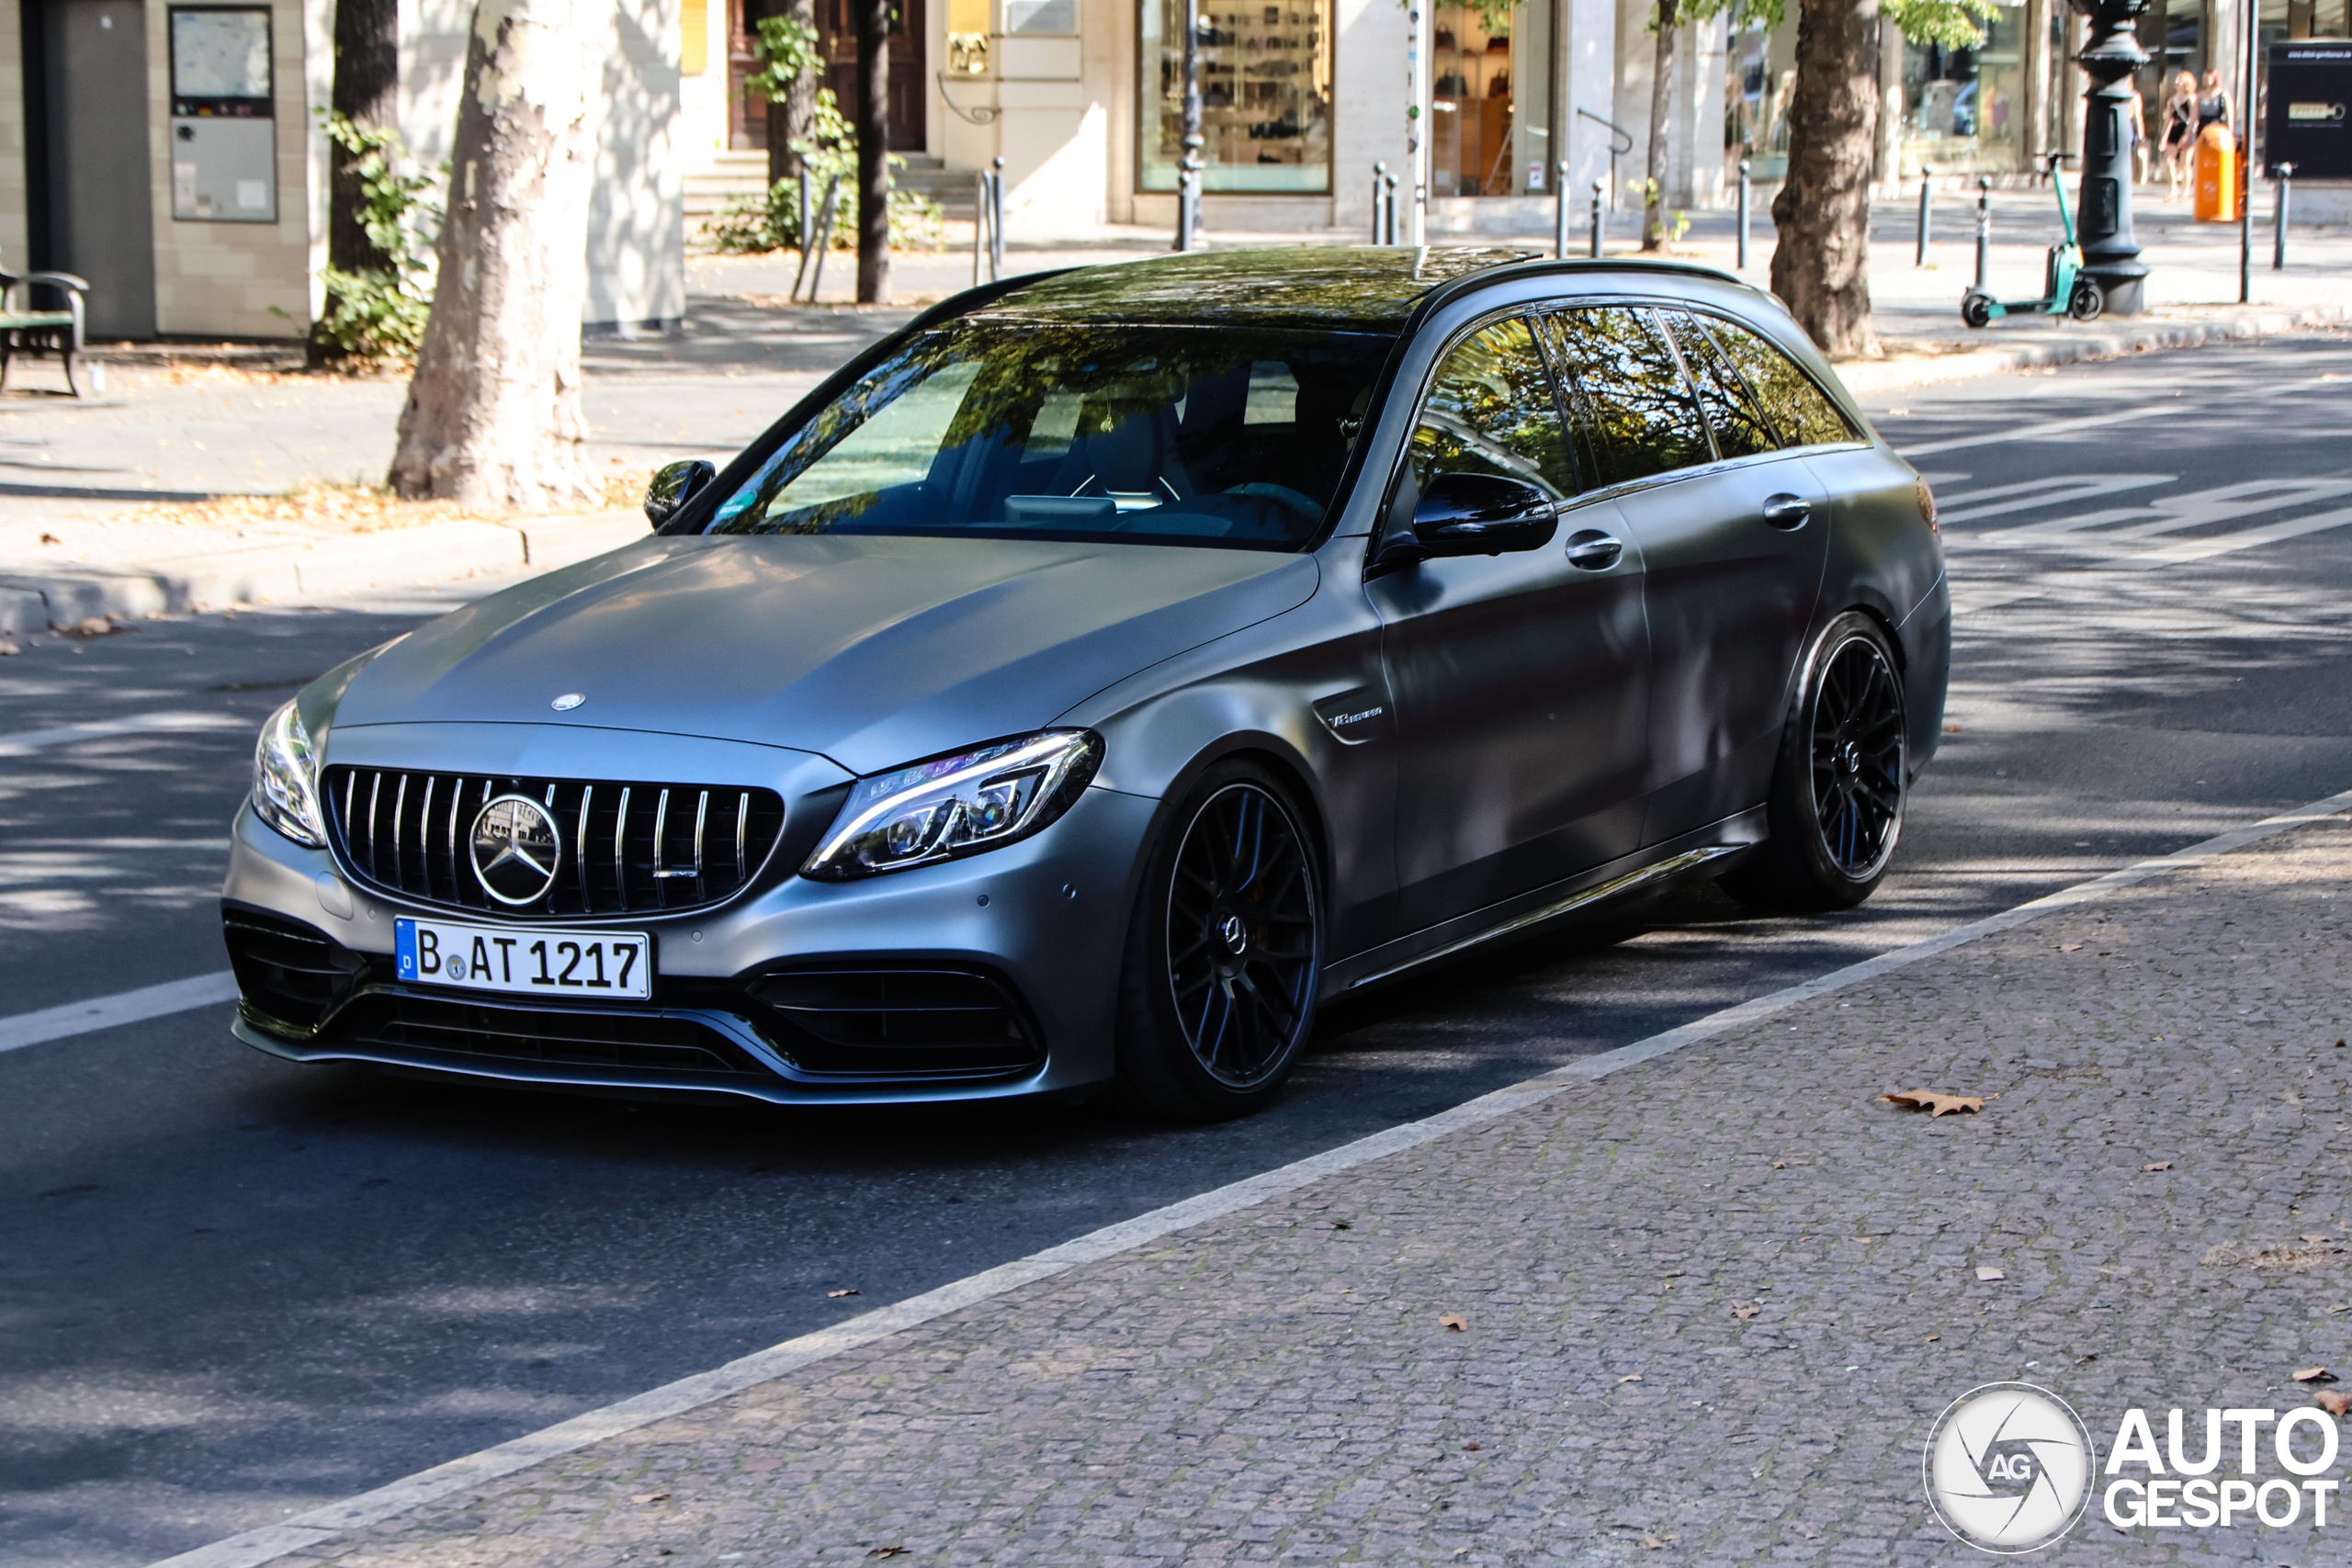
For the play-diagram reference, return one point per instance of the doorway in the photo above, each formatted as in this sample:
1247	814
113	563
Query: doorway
94	209
837	41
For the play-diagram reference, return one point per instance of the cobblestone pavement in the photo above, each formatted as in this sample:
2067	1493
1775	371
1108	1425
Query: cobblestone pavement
1710	1304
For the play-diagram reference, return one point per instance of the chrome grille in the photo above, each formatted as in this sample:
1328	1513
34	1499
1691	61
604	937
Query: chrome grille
629	847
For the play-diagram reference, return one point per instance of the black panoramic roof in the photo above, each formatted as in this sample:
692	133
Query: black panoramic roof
1359	289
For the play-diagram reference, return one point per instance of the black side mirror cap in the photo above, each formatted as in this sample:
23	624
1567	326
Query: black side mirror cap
673	485
1482	514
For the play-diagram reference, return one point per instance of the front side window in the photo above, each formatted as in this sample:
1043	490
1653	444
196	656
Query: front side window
1642	417
1800	412
1221	437
1265	96
1491	411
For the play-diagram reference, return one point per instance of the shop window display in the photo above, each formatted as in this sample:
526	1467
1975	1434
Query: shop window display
1265	97
1964	108
1477	147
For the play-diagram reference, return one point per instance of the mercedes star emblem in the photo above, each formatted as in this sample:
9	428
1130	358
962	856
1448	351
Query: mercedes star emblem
516	849
569	701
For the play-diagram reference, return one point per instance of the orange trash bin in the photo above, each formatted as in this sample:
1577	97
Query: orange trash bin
2217	175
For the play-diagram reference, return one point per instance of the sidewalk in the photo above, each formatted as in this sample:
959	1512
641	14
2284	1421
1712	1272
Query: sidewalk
83	479
1703	1309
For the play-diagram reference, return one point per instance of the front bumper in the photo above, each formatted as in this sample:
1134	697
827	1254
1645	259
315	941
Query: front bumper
984	977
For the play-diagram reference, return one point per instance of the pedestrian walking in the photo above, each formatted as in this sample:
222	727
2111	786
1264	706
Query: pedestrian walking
2180	135
2213	105
2139	137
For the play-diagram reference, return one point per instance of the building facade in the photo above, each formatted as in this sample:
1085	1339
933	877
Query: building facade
1300	100
172	154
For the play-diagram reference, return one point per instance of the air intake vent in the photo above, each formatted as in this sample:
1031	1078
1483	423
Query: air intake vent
622	847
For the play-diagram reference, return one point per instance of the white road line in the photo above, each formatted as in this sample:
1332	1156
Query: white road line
109	1012
25	742
321	1524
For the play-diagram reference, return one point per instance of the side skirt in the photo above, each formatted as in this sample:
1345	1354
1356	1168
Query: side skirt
1641	872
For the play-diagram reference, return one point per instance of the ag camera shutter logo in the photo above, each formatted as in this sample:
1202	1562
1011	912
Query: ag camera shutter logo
2007	1468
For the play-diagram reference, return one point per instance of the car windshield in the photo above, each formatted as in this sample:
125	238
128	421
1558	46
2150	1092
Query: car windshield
1151	434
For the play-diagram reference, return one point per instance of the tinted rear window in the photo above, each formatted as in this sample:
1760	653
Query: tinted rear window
1739	427
1800	412
1641	418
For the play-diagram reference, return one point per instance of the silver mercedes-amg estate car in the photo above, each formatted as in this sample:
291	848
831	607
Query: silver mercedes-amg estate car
1090	678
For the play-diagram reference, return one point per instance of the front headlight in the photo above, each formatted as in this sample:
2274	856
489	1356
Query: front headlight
957	805
286	780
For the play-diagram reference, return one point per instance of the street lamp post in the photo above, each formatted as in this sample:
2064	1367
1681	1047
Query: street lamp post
1187	168
2110	254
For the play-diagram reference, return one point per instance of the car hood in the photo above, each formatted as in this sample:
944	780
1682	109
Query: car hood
872	650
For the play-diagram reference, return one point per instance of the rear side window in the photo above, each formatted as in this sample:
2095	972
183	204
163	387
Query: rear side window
1800	412
1732	413
1492	412
1638	410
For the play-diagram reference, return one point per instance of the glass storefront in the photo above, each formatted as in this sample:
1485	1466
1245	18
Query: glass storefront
1488	96
1964	108
1265	97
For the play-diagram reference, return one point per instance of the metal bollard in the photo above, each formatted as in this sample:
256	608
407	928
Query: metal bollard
1743	215
807	195
1388	209
1560	210
1379	174
1188	194
996	219
979	222
2286	176
1926	195
1984	231
823	234
1596	218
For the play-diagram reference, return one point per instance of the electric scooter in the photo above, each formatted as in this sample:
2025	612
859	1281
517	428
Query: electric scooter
2065	292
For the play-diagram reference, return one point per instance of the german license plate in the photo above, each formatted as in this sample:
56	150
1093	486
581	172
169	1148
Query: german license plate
520	961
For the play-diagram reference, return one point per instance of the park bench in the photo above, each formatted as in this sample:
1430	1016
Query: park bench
28	331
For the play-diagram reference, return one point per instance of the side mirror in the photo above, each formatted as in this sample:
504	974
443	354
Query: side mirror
1473	514
673	485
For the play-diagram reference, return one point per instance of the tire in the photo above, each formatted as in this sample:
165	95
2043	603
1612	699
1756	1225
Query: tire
1840	783
1976	310
1225	950
2087	301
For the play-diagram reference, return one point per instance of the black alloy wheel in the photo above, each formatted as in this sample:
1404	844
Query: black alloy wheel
1842	779
1858	758
1218	996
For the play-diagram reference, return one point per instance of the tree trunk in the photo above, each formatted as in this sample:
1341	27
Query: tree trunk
793	118
872	151
367	91
1661	130
1821	268
494	412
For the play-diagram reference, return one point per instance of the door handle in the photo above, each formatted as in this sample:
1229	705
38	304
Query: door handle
1787	511
1593	550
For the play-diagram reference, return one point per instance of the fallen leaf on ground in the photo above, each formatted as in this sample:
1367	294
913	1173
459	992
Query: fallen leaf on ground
1459	1325
890	1552
1941	1105
1746	1309
2333	1400
51	539
1342	1226
1631	1377
1780	1165
1471	1447
836	1295
2314	1374
650	1497
1933	1337
1987	1273
2160	1165
8	648
1952	729
2070	947
1667	1286
2088	1356
2318	1238
1653	1542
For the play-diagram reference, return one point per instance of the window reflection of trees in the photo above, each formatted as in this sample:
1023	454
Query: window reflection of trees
1491	412
1801	414
1247	432
1642	416
1723	397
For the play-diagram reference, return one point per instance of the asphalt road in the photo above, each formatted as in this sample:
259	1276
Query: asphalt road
232	1289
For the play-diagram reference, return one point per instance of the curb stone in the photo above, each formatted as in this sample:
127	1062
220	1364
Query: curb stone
1902	369
283	572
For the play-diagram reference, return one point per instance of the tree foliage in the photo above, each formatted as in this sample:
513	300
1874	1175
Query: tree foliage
787	50
378	313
